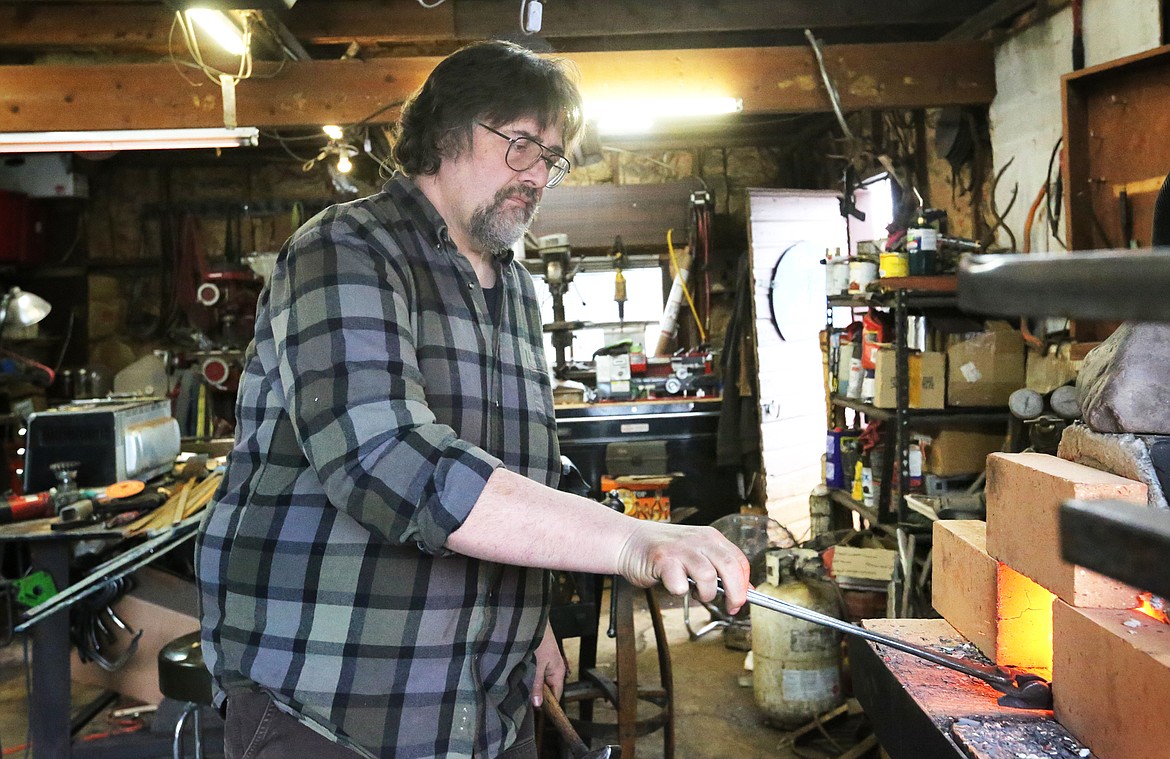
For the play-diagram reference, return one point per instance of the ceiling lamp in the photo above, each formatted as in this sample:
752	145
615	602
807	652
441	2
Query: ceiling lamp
127	139
638	116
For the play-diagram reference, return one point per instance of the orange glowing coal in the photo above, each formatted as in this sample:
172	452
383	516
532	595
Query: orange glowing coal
1153	606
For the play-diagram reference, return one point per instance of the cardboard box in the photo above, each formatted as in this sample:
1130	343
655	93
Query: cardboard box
985	368
1045	373
955	451
864	563
927	384
163	607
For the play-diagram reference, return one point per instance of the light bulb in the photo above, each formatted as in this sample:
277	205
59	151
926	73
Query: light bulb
344	165
332	131
220	28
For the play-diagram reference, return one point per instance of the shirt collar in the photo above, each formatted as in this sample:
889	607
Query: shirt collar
401	187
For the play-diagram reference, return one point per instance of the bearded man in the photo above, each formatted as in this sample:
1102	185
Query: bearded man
374	568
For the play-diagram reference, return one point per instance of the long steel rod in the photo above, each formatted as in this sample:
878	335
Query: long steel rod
987	674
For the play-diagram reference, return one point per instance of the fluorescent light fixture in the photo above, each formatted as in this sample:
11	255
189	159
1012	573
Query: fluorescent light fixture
220	28
126	139
636	116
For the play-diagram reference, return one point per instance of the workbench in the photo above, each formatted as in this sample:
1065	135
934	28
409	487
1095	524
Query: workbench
919	709
48	623
688	426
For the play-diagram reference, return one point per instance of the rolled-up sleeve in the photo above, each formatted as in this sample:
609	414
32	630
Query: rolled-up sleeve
346	353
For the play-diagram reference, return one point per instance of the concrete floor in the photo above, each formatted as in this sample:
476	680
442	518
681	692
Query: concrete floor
716	716
715	713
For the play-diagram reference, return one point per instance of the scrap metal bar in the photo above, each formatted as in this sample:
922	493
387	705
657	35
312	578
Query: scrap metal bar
119	566
1128	542
1103	284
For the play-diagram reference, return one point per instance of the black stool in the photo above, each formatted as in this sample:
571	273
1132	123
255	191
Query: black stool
183	677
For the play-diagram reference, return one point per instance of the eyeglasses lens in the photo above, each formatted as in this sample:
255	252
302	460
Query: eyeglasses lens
524	153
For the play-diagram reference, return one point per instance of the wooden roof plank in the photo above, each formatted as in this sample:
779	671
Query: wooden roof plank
769	80
126	25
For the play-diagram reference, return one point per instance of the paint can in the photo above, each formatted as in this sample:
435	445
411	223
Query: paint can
836	276
894	264
862	271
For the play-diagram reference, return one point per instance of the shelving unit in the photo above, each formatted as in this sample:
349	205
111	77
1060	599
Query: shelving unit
901	297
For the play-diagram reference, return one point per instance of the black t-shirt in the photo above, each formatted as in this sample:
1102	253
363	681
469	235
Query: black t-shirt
492	294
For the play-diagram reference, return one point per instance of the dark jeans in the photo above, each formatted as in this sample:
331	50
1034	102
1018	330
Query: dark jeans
256	729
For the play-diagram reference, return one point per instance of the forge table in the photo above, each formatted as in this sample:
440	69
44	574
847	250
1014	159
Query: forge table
920	710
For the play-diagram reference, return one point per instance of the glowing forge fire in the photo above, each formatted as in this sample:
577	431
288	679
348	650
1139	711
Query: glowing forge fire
1153	606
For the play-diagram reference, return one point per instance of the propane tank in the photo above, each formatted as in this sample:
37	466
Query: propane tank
796	664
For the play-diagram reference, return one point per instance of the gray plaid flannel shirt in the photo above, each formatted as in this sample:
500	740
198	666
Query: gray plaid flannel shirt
376	400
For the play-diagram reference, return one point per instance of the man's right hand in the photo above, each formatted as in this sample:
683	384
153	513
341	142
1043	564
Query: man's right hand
675	555
517	521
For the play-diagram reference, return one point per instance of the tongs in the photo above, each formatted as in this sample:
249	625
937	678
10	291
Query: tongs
1020	689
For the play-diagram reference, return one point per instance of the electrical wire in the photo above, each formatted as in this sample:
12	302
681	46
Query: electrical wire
428	6
685	289
192	42
834	98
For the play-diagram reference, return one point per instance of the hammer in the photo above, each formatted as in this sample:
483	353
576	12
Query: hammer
577	747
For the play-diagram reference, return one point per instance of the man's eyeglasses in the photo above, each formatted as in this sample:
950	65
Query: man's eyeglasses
525	152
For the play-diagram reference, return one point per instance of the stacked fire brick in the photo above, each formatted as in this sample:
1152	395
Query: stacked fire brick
1005	587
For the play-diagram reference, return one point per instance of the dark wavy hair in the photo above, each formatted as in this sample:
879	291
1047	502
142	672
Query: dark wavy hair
495	82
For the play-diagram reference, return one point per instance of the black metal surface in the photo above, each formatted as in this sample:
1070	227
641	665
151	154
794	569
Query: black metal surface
689	427
903	728
1102	284
1128	542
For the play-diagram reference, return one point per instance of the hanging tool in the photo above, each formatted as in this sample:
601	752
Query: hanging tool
1021	690
577	747
617	255
997	215
1126	209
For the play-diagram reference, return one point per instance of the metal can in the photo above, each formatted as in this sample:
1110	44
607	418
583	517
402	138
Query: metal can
862	271
894	264
836	276
922	249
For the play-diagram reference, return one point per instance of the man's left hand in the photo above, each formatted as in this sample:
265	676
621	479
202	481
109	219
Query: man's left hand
551	668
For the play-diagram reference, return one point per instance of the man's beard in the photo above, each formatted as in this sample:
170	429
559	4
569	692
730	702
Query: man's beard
495	226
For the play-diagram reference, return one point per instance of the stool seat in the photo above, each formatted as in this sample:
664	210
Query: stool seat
182	675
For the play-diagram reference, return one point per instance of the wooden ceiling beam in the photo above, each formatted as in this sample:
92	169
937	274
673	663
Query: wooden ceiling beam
125	25
477	19
769	80
104	26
